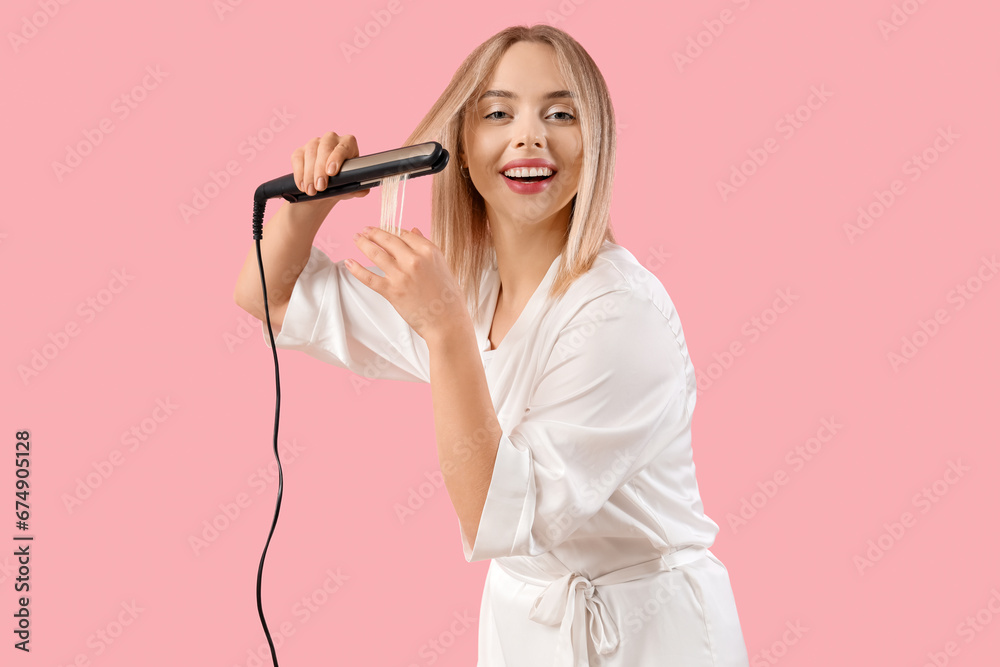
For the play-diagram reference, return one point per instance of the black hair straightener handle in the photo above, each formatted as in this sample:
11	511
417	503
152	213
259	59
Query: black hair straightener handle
361	173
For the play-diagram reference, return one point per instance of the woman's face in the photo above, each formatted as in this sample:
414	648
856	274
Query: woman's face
522	122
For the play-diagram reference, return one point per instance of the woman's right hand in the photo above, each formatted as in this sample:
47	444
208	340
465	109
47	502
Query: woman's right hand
320	158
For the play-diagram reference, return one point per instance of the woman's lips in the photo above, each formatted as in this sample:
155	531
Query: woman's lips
528	188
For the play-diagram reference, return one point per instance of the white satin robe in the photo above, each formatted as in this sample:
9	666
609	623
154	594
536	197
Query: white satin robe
593	519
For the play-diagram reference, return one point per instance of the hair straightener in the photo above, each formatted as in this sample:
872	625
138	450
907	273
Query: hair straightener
360	173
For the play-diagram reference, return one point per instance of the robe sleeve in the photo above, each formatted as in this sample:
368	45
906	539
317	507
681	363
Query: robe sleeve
613	394
334	317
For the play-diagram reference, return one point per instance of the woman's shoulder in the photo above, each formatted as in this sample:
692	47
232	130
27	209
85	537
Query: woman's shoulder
616	275
630	308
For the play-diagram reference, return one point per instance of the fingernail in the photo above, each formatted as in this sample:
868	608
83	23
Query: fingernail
331	168
357	236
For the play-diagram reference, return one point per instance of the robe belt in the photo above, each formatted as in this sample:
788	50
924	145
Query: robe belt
566	600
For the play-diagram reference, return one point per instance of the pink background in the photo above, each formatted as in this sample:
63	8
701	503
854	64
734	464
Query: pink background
172	332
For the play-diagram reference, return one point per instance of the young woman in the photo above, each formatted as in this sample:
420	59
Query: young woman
561	384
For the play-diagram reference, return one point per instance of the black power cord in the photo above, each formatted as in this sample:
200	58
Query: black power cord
362	173
258	224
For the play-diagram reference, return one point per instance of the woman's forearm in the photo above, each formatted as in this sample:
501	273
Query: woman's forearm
465	422
284	250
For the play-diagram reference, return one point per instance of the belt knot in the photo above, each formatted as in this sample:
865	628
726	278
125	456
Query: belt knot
572	602
559	605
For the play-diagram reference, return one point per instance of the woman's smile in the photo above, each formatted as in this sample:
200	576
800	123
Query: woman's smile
528	186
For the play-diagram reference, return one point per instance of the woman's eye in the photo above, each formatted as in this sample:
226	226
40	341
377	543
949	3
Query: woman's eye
492	115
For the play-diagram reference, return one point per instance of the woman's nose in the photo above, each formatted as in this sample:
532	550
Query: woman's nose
529	137
528	130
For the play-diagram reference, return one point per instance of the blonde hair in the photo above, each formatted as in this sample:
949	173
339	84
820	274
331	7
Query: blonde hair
458	215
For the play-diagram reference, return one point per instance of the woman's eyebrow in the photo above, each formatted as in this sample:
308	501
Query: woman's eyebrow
555	94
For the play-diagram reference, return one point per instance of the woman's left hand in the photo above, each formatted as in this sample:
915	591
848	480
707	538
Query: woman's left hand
417	281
